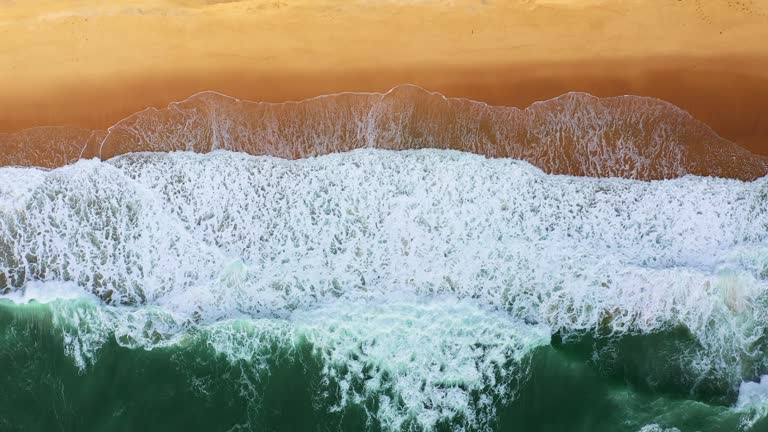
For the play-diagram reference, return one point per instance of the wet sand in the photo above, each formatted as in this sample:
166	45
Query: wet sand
731	100
575	134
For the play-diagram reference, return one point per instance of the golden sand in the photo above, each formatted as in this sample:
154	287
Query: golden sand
87	63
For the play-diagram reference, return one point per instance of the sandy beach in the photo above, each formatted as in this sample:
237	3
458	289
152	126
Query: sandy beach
85	64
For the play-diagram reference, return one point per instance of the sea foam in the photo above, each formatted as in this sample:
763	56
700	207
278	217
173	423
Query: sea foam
418	276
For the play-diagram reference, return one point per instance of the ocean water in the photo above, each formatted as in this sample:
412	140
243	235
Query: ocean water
378	290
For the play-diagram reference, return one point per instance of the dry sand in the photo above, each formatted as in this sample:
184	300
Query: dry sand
87	64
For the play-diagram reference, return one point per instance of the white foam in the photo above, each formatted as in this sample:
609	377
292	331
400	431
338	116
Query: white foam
340	247
431	354
47	292
753	400
421	358
16	184
657	428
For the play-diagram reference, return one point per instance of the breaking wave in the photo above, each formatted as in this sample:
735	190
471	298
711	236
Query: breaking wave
421	289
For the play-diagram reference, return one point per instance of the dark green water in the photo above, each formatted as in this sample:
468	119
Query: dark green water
590	383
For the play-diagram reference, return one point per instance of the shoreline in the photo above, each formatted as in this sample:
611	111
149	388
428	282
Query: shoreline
728	94
575	133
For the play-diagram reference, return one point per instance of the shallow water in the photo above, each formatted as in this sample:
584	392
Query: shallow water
575	133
